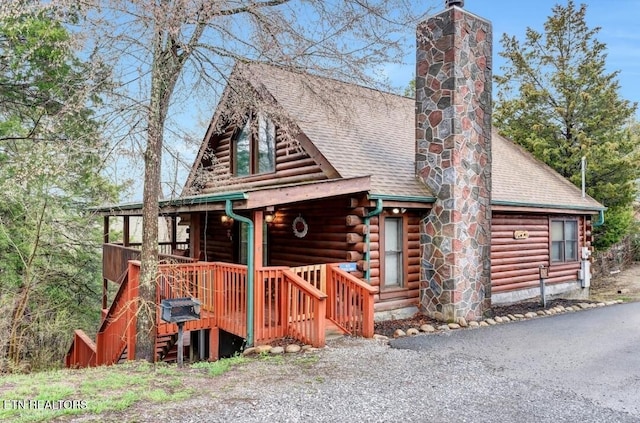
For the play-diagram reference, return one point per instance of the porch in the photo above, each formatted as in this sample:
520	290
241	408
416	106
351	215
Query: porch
267	304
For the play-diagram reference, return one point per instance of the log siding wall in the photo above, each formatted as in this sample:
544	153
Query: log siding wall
337	233
515	262
293	164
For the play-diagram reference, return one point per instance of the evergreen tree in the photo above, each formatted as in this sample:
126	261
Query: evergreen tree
556	99
51	155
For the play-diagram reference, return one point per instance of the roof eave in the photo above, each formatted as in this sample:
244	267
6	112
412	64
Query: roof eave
559	208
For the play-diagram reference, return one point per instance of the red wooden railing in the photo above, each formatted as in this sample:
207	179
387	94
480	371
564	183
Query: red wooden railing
82	352
350	302
115	258
118	328
285	305
230	300
270	305
112	334
194	280
306	310
315	274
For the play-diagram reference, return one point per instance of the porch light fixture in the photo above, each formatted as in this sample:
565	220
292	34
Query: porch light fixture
269	217
397	210
226	220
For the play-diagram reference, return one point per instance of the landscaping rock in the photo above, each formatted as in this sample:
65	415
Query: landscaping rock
276	350
453	326
263	349
412	331
399	333
379	337
483	324
473	324
490	322
462	322
427	328
250	351
498	319
292	348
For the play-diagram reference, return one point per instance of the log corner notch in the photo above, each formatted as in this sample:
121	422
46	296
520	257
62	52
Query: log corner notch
363	236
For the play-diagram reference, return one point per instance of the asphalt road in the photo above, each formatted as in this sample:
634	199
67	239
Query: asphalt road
592	354
577	367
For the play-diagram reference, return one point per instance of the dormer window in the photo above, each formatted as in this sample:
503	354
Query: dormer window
254	147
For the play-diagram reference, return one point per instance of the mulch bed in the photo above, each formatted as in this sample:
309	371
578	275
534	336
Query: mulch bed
388	327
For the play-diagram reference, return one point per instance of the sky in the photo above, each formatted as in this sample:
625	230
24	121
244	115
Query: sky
618	19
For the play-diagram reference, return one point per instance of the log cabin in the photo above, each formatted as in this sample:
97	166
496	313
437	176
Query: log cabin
417	203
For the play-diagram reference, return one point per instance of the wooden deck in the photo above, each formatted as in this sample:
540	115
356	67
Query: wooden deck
300	303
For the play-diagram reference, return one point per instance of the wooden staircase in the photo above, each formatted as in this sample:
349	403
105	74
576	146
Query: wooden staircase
286	304
165	344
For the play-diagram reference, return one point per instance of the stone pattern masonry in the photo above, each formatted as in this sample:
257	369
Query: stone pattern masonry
453	158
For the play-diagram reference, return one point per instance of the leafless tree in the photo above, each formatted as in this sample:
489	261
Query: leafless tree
164	52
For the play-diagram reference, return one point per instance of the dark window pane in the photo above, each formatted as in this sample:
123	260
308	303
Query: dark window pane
571	231
266	145
243	151
557	231
393	252
556	251
571	250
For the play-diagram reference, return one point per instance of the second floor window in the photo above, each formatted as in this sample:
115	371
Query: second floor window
254	147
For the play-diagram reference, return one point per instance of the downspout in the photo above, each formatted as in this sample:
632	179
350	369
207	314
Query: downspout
600	221
374	212
250	269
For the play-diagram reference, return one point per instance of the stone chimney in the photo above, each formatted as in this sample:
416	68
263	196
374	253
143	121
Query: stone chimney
453	158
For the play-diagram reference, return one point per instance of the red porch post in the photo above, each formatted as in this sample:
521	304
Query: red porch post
194	236
105	282
126	229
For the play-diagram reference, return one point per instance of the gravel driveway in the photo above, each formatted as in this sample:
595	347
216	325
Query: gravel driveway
441	378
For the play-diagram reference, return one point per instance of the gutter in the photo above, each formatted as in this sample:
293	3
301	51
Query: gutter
546	206
181	201
367	217
250	268
406	198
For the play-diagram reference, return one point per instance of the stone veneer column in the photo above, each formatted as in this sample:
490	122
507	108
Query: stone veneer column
453	158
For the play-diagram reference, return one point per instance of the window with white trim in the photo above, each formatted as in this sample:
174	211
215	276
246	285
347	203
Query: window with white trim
564	241
393	260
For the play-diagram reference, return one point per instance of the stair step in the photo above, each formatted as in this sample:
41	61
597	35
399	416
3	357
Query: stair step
332	331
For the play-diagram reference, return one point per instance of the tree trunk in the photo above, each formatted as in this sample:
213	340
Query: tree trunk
166	68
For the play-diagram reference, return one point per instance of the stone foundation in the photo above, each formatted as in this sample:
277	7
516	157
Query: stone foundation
567	290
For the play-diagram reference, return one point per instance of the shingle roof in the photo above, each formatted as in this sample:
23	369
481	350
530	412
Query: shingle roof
362	131
518	177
